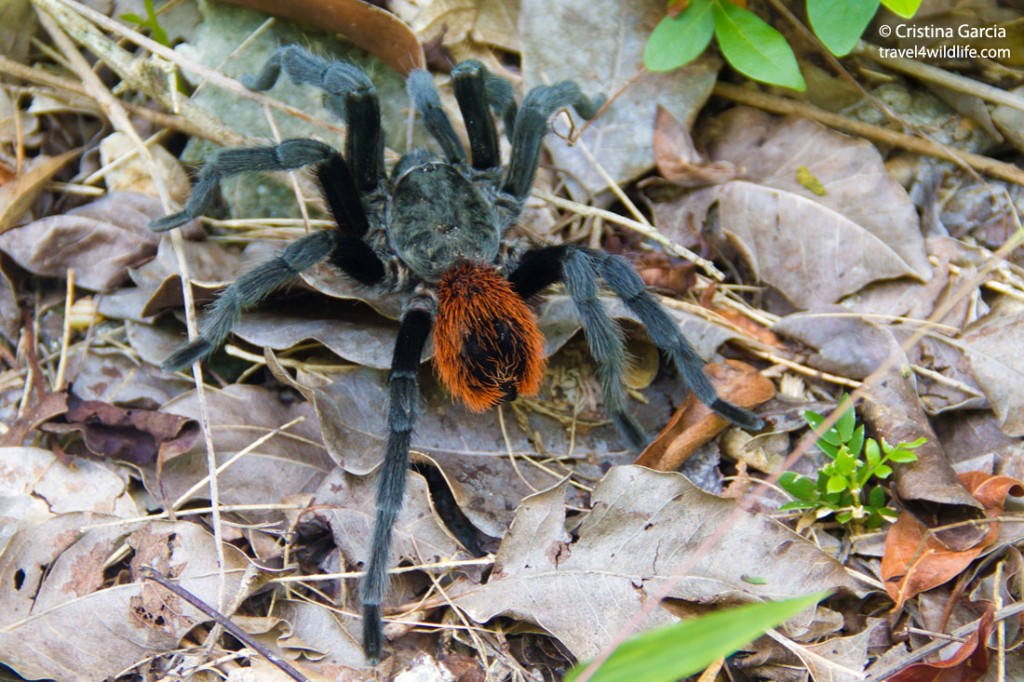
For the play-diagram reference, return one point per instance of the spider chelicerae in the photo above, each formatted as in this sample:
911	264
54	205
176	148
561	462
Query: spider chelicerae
435	228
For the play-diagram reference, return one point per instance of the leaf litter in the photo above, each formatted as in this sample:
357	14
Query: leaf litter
525	535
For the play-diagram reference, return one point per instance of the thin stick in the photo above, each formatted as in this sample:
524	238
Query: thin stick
780	105
150	573
65	341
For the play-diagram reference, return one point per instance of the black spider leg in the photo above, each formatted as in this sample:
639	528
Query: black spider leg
349	252
425	100
403	393
470	83
349	94
581	270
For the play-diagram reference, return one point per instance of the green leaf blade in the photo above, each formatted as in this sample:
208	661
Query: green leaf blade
754	48
677	41
839	24
668	653
903	8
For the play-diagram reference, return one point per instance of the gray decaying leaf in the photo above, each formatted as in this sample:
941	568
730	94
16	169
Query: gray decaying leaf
289	463
58	593
813	248
993	345
100	241
468	448
643	532
600	46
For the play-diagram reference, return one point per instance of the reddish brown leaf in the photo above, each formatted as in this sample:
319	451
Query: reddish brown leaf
694	423
968	664
915	560
132	435
380	33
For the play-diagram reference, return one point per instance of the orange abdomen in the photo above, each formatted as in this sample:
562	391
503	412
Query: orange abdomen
487	346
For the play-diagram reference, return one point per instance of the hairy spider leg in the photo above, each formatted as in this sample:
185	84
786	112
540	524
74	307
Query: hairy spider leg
348	93
344	245
289	155
542	267
425	100
581	269
532	125
403	393
470	83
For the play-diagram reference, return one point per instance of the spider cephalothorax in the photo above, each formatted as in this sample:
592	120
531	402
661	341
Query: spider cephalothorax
435	228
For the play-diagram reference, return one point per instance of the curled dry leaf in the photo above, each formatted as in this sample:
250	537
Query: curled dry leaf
694	424
17	195
100	241
59	593
48	407
968	664
132	435
643	529
377	31
813	248
678	160
915	560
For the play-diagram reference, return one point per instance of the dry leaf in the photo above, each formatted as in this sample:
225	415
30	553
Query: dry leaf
968	664
915	560
678	160
694	423
16	196
377	31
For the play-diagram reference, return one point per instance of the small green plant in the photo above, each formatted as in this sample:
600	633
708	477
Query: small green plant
847	484
152	22
749	44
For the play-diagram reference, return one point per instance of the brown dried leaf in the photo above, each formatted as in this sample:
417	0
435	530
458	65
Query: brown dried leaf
48	407
968	664
678	160
133	435
377	31
813	249
642	531
100	241
993	347
694	424
16	196
58	593
916	560
287	464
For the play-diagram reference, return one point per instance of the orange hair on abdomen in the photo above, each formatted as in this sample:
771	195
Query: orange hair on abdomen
487	346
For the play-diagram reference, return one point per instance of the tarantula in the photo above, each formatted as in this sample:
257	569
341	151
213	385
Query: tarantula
436	229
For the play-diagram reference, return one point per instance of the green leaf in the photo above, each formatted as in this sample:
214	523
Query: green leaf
872	454
813	419
846	422
676	651
883	471
754	48
840	23
901	455
845	463
678	41
876	498
904	8
798	486
856	443
837	484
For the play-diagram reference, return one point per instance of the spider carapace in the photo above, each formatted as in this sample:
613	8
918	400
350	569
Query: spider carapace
436	229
